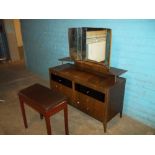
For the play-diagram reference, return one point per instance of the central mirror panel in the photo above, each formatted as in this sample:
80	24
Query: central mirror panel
96	45
90	44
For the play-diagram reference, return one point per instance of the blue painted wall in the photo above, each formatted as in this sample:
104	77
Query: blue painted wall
133	49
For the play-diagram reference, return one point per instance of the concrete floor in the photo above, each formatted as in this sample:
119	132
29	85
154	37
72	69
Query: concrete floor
14	77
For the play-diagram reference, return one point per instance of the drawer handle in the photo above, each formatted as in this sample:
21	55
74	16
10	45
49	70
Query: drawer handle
59	80
78	102
88	92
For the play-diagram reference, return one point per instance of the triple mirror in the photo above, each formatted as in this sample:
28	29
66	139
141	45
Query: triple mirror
90	44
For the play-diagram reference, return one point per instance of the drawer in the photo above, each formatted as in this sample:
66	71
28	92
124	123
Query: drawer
62	89
56	86
90	92
83	103
99	111
61	80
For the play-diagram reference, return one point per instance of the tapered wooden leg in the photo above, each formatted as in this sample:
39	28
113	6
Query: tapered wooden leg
105	127
23	112
66	119
48	125
121	114
41	116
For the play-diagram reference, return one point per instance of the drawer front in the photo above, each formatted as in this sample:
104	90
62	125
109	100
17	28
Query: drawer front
61	80
90	106
56	86
62	89
90	92
84	104
99	111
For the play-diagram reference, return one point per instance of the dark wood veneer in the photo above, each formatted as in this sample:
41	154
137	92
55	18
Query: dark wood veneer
90	92
61	80
92	88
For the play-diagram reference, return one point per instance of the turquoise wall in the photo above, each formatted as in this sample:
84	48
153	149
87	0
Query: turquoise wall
133	49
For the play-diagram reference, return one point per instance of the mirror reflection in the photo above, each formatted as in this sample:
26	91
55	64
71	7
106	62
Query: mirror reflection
90	44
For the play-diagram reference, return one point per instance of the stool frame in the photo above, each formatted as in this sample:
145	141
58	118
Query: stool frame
44	113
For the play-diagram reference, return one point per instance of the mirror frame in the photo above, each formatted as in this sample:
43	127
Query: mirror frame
77	44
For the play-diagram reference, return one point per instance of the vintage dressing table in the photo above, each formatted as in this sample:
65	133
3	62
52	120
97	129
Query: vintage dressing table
91	85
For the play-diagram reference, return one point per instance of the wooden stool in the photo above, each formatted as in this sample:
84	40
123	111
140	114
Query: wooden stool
46	101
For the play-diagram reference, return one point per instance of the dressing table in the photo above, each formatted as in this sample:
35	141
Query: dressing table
91	85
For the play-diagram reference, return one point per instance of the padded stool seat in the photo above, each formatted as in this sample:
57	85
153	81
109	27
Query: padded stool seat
44	100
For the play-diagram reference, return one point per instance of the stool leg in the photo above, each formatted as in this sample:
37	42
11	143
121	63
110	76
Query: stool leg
48	125
23	112
66	119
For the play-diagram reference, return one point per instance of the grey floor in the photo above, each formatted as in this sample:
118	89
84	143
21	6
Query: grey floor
14	77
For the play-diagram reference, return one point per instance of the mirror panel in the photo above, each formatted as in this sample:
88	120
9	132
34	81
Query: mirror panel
96	45
90	44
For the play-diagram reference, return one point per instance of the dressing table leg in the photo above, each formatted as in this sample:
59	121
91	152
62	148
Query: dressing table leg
105	127
121	114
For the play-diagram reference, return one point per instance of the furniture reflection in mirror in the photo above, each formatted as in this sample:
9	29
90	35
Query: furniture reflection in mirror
90	44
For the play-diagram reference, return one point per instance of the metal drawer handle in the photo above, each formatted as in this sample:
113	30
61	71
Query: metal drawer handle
78	102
